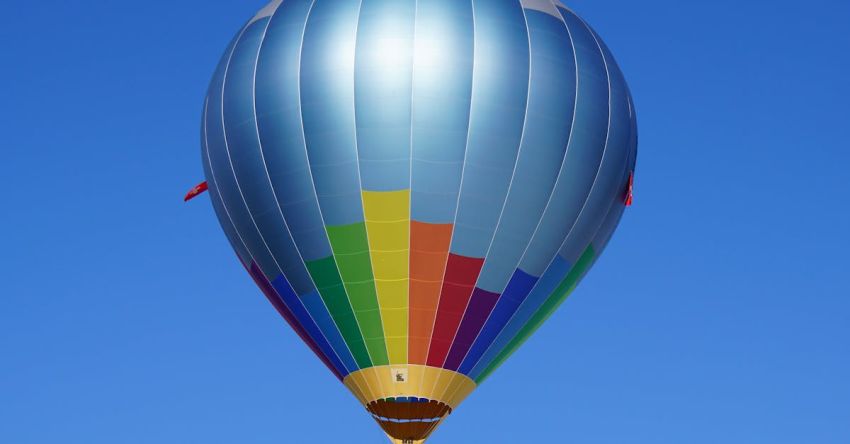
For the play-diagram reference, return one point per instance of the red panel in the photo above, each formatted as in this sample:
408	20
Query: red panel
463	270
461	274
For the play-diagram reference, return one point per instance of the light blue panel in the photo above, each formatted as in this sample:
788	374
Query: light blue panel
584	153
215	196
246	159
499	96
278	109
442	90
615	213
221	213
550	280
608	185
383	73
435	203
551	102
327	108
222	174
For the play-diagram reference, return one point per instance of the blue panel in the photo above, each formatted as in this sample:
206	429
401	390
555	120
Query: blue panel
499	96
222	177
584	153
442	90
551	102
246	159
280	129
327	100
314	304
383	73
516	291
295	305
550	280
608	185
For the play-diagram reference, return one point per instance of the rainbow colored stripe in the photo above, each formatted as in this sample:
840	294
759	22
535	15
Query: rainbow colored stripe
417	184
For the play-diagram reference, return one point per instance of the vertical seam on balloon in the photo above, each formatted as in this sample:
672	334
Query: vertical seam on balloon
215	182
551	195
277	202
567	237
316	194
460	187
510	184
410	180
360	184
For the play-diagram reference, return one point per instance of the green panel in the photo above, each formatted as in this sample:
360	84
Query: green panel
351	250
356	267
324	273
542	314
362	295
347	239
370	324
326	277
378	344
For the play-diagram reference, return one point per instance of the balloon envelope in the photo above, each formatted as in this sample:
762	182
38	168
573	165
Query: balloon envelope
416	185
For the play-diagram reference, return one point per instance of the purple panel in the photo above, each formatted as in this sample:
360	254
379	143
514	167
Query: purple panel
480	306
515	293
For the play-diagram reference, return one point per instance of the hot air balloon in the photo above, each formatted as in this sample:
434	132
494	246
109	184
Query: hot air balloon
416	185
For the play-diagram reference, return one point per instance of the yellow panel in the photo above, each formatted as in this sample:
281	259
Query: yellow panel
392	235
441	386
357	385
394	324
393	294
376	381
416	373
461	391
357	390
396	347
388	228
390	265
386	205
411	381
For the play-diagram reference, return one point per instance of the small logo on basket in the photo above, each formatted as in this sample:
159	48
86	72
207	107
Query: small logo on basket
399	375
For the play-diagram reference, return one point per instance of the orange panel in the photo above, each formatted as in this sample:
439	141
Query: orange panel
423	295
429	249
427	266
430	237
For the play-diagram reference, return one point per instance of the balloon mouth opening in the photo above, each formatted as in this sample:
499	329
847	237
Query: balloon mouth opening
408	419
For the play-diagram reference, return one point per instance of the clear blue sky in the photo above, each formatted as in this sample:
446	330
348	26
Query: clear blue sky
719	314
